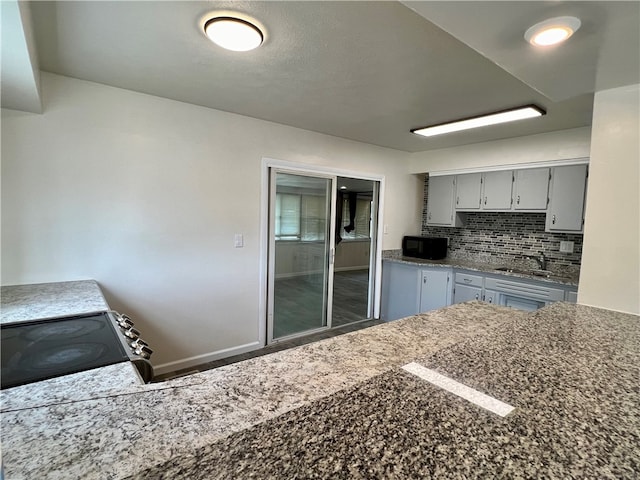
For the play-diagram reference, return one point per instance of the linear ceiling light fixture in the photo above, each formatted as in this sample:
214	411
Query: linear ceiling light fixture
552	31
511	115
233	33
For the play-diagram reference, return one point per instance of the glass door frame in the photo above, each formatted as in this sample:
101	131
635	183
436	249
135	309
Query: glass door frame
328	262
298	168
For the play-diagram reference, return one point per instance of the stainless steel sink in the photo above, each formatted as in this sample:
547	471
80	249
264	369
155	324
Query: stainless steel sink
535	273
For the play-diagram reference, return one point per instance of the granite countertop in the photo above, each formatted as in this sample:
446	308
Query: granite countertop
21	303
345	408
566	277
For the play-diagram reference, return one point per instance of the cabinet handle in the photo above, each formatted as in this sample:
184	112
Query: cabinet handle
483	297
518	201
485	200
553	220
466	280
490	299
457	200
424	280
477	296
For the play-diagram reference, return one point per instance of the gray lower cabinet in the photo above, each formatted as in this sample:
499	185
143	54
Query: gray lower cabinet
467	287
490	296
411	289
435	291
465	293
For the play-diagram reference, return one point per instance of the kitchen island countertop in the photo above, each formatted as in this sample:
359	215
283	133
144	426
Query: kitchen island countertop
344	408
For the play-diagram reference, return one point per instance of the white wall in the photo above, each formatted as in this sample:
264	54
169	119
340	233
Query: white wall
560	145
144	195
610	274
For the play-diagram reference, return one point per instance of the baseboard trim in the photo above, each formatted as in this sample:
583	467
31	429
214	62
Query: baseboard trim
205	358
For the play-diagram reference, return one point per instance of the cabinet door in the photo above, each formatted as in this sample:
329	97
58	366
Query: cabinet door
468	191
571	296
531	189
566	199
440	203
465	293
497	190
490	296
400	290
435	289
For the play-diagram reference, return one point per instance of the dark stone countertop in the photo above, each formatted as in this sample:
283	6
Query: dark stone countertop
571	372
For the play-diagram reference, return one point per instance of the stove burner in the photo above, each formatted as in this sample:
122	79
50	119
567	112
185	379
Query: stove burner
64	355
68	329
43	349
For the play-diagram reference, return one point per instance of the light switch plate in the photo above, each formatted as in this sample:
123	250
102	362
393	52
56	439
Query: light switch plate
566	247
238	240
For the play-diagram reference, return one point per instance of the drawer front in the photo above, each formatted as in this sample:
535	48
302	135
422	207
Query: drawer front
467	279
525	290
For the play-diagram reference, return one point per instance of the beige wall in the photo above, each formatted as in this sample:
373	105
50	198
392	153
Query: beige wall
145	194
610	275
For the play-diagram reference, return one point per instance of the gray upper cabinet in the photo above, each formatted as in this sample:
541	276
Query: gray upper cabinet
469	191
566	205
531	189
489	191
497	190
440	205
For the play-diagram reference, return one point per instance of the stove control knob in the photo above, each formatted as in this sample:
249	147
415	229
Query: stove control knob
138	342
125	323
132	333
143	351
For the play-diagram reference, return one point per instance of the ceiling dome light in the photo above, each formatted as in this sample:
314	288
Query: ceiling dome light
552	31
233	33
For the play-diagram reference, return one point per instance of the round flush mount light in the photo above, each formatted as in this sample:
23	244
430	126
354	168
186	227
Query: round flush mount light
552	31
233	33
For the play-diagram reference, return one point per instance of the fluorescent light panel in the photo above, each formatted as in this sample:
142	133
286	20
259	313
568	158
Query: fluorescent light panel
504	116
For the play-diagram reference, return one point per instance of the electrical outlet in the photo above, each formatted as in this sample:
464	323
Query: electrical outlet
566	247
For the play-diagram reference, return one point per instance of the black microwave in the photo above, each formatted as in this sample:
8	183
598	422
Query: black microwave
431	248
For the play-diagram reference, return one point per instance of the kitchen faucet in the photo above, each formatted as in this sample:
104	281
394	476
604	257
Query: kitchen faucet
542	260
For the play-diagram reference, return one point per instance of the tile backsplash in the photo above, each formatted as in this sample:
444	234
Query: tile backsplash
505	237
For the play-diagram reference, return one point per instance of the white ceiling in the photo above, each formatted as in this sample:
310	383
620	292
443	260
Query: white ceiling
367	71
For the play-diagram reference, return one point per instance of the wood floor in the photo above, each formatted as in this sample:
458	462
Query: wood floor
299	305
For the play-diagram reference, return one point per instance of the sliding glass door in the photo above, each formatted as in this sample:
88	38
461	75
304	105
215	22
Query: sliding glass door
300	253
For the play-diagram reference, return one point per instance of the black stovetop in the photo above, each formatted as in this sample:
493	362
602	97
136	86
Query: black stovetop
42	349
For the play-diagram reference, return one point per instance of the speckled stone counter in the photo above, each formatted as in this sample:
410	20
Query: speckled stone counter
21	303
116	436
568	276
571	372
343	408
